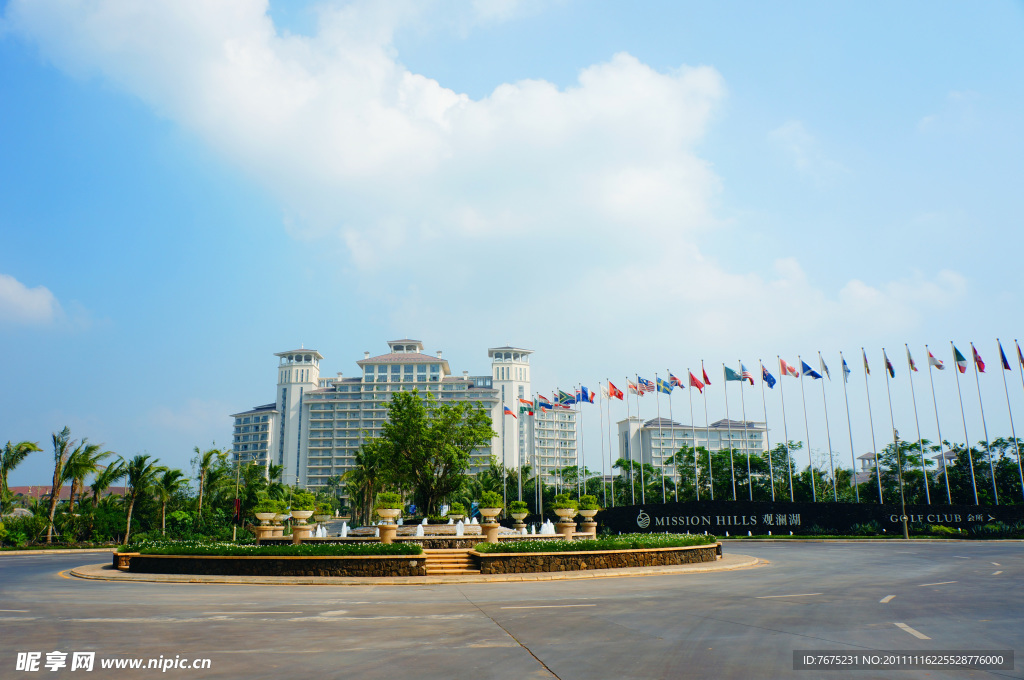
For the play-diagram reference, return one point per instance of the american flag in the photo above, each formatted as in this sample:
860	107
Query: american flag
747	375
645	384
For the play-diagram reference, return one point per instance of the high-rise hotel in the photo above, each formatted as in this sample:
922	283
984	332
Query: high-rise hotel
316	424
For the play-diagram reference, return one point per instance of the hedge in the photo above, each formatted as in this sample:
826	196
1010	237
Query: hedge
621	542
301	550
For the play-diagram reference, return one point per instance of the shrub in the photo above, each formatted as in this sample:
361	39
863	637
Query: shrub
871	528
563	502
941	530
456	508
390	500
268	506
518	506
491	499
241	549
622	542
303	500
589	502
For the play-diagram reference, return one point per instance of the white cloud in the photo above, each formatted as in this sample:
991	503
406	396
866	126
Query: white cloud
956	114
20	304
592	195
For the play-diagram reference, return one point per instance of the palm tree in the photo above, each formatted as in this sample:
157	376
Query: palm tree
106	476
206	461
141	473
170	483
62	447
11	458
85	460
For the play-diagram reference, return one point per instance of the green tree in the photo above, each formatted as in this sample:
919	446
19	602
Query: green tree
62	448
168	484
105	478
12	456
206	461
141	475
428	443
366	479
85	460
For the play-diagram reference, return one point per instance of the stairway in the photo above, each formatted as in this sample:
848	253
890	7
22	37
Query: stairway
449	562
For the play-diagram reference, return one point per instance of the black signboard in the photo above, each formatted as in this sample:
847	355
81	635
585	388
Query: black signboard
739	517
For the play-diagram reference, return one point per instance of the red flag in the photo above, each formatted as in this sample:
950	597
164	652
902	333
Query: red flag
707	380
695	382
977	360
786	369
614	392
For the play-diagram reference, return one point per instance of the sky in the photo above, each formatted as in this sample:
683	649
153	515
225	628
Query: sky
188	187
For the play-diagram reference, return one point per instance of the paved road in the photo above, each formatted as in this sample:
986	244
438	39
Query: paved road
741	624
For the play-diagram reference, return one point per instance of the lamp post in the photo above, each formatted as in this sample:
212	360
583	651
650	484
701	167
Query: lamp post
899	472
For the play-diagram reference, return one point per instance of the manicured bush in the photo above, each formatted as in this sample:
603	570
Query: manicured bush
518	506
456	508
622	542
269	506
491	499
389	500
245	549
563	502
589	502
303	500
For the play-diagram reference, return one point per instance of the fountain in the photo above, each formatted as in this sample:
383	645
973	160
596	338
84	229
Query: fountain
419	530
460	529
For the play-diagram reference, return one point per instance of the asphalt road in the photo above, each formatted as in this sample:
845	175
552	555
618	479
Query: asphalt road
739	624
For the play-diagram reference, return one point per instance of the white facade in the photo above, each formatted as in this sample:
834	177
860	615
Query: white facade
659	439
510	372
554	442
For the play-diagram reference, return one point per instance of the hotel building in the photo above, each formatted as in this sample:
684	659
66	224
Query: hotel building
656	440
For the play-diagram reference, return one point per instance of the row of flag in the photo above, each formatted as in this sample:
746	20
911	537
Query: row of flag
643	386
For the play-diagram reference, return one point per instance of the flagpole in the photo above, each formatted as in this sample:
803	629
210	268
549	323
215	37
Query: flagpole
871	422
895	441
988	447
920	442
828	433
1013	431
935	404
581	462
767	438
746	443
661	441
608	409
600	416
693	434
675	466
504	495
807	429
707	434
629	450
640	436
785	429
849	429
519	458
970	458
728	425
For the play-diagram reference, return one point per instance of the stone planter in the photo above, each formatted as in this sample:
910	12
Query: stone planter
389	514
278	529
321	518
456	518
388	532
588	514
565	513
519	517
265	517
300	516
488	514
567	529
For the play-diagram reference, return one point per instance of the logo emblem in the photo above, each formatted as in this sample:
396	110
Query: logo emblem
643	520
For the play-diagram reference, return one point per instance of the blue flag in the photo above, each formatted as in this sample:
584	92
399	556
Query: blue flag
768	378
663	386
846	371
810	371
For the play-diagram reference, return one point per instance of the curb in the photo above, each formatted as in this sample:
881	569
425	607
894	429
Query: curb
104	572
62	551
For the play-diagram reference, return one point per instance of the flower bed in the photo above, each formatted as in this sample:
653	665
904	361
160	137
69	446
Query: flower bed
621	542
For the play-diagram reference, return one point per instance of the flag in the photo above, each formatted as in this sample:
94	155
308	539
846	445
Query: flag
633	388
809	371
707	380
959	360
786	369
867	369
614	392
645	384
586	395
663	386
675	382
731	375
508	412
846	371
937	363
910	361
1020	355
542	403
767	377
528	410
888	364
695	382
746	374
824	368
977	360
565	398
1002	357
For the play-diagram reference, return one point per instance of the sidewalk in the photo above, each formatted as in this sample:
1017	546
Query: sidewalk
104	572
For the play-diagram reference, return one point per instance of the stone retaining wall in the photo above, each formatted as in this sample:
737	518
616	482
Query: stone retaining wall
520	563
385	565
426	542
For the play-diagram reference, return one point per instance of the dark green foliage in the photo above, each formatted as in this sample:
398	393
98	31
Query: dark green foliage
303	549
589	502
491	499
621	542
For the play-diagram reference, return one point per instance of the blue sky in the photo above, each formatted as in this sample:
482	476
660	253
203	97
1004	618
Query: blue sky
185	190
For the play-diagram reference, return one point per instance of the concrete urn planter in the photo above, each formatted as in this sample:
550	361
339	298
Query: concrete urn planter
389	514
321	518
566	514
265	517
488	514
300	516
588	515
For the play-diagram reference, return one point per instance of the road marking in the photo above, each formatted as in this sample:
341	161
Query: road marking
913	632
994	573
886	599
25	611
997	564
961	558
550	606
239	612
940	583
765	597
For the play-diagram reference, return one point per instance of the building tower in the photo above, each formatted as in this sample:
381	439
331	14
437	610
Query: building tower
298	372
510	370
